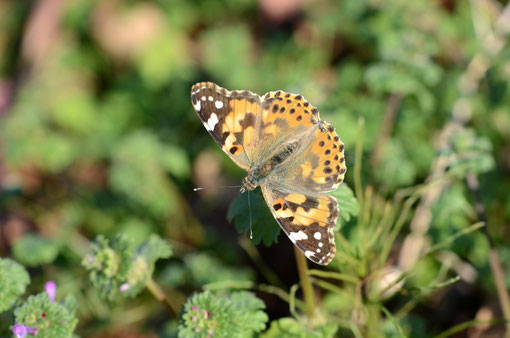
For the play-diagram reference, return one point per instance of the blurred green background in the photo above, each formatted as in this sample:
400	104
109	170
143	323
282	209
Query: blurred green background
98	135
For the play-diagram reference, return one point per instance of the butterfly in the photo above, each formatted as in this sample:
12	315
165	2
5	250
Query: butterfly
287	150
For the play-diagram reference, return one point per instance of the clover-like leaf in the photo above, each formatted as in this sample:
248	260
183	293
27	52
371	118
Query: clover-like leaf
208	315
45	317
13	282
265	228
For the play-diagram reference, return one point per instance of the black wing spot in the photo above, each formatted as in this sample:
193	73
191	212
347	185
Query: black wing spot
275	108
233	150
299	118
292	111
321	143
277	206
327	152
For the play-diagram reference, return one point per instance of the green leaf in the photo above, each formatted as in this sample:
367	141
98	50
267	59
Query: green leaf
137	173
290	328
208	315
13	282
265	227
472	153
205	269
34	250
347	203
117	269
108	263
51	319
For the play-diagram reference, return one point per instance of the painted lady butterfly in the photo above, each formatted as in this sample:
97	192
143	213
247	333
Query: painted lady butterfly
288	151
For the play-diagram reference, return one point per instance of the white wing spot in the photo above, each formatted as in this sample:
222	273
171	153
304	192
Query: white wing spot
317	235
321	244
211	122
204	98
309	253
297	236
218	104
211	98
197	106
318	250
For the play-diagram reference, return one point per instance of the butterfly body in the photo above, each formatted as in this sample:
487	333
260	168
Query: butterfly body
288	151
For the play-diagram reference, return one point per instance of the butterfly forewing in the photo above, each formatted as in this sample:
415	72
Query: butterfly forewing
229	116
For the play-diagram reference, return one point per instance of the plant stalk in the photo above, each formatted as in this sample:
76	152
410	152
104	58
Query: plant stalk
306	283
158	293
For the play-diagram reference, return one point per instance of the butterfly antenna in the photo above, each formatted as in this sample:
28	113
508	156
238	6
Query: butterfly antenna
219	186
249	211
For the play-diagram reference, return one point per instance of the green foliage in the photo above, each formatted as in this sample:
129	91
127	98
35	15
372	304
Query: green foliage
34	250
138	171
50	319
13	282
204	269
472	152
265	228
117	269
238	315
98	137
347	203
291	328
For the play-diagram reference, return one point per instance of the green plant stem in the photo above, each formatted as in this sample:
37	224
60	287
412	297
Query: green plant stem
495	262
358	188
251	250
306	284
158	293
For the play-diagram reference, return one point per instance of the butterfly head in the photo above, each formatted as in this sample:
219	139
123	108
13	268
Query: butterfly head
249	183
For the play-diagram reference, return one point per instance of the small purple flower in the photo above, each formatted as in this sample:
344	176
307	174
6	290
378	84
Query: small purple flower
124	287
51	290
194	308
210	333
90	259
207	314
193	318
21	330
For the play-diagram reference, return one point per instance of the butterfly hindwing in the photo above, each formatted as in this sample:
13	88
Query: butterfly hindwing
308	220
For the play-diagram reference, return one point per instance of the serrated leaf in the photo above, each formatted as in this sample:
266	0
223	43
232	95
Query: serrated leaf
472	153
205	269
50	319
265	227
117	269
347	203
13	282
34	250
290	328
208	315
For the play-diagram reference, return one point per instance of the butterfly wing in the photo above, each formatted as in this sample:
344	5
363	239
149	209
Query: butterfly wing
230	117
295	189
307	219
